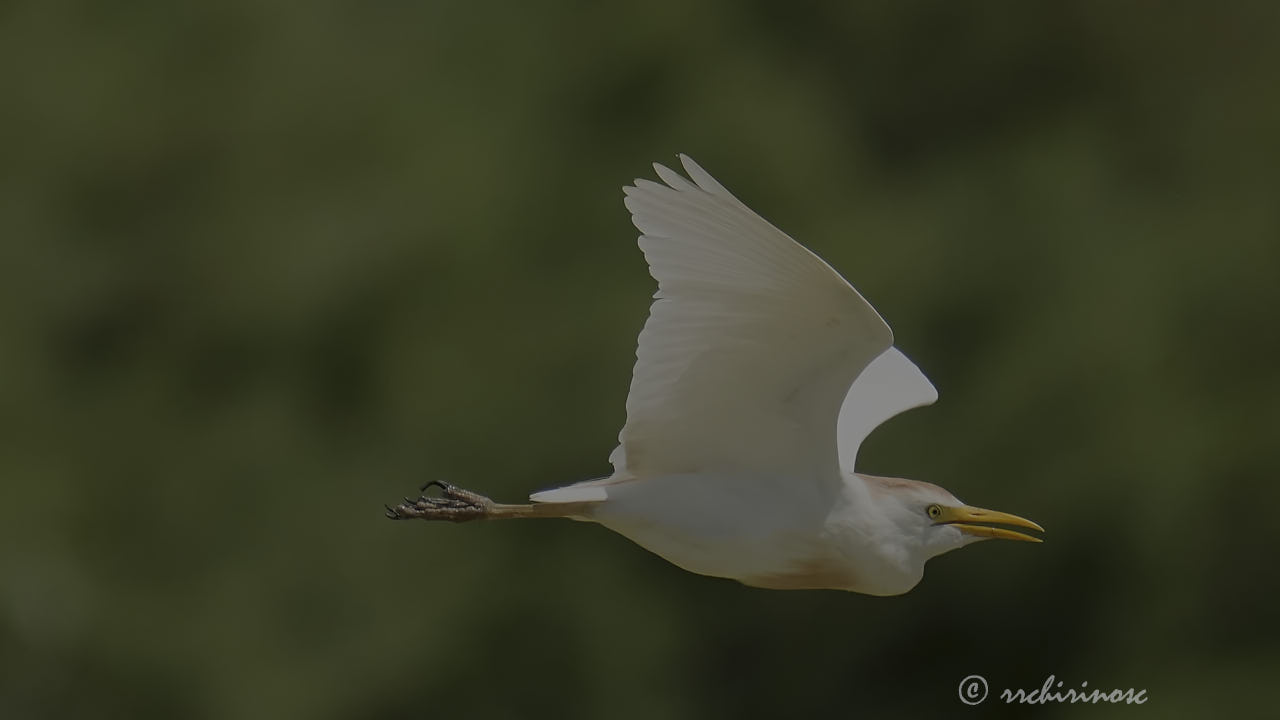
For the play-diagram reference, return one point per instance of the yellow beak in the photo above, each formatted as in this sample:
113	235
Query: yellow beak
959	517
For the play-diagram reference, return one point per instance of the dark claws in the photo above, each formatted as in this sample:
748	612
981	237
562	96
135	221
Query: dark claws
453	504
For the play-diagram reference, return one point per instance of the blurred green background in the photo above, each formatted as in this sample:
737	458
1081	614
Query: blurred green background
265	266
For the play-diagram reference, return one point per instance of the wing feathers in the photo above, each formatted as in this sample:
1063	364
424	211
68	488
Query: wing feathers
751	345
757	359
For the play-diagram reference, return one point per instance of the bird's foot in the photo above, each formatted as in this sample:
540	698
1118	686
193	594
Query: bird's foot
453	504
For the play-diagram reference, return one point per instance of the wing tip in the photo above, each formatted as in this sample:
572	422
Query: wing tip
698	178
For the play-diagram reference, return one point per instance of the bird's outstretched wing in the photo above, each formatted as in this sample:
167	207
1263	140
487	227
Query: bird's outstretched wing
889	385
750	347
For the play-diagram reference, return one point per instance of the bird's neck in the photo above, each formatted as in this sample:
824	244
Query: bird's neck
884	549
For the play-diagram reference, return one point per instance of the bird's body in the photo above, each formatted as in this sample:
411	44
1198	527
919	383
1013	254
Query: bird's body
758	374
768	532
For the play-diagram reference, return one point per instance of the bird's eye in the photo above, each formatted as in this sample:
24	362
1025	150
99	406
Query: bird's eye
934	511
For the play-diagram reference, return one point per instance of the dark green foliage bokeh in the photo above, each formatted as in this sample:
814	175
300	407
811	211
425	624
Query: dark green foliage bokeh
266	265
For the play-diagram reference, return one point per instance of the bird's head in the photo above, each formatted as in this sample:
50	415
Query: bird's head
934	521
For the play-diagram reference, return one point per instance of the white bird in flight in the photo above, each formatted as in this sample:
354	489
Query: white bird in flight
758	374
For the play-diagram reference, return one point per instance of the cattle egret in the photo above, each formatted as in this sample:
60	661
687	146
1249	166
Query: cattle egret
758	374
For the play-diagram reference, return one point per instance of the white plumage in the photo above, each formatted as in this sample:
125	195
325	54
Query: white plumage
753	348
758	375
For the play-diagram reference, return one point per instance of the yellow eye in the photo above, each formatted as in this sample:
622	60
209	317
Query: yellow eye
935	511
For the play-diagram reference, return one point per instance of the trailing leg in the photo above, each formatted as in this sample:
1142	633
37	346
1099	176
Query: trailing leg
458	505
